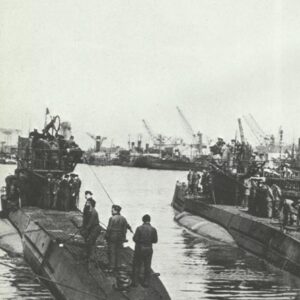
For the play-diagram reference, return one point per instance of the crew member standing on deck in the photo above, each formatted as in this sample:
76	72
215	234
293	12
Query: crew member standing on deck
145	235
72	184
77	189
116	235
86	213
93	229
64	193
90	229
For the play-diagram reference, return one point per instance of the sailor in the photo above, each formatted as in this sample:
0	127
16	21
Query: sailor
86	213
47	192
205	180
73	192
116	235
92	227
145	235
64	193
289	212
14	193
195	182
247	185
77	183
55	192
278	202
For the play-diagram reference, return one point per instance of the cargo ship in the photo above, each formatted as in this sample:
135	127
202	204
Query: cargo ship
160	163
256	233
49	231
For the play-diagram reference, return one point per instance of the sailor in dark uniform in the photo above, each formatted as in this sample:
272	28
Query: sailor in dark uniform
86	213
145	235
91	227
65	193
116	235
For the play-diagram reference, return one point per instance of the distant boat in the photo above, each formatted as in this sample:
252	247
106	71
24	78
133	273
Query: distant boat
10	161
159	163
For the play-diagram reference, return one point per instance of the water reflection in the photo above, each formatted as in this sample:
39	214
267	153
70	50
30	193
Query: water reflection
230	273
17	281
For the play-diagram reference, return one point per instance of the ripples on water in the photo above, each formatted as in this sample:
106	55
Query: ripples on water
17	281
191	267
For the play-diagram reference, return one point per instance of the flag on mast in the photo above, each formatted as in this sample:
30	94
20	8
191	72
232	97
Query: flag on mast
47	111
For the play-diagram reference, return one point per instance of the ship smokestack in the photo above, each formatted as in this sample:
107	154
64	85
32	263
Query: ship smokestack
98	143
139	144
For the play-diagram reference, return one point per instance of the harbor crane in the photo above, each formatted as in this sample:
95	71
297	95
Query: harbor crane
150	132
158	140
265	140
241	129
186	123
195	142
255	129
98	139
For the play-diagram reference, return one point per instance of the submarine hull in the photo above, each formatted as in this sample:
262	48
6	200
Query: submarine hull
58	261
259	236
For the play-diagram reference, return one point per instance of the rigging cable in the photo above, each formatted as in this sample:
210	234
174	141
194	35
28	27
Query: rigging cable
101	184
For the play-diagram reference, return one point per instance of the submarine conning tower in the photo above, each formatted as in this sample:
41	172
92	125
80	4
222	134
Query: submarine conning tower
44	160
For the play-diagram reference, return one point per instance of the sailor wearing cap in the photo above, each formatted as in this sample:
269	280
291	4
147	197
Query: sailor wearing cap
90	225
116	235
145	235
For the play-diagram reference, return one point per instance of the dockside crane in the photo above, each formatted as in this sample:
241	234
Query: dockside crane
265	140
186	123
241	129
254	129
149	131
158	140
196	138
98	140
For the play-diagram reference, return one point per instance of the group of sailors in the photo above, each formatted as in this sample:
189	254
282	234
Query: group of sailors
61	193
193	179
230	155
115	235
267	201
53	192
254	195
53	152
198	183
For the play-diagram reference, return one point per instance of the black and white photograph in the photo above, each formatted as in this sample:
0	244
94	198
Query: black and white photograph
150	150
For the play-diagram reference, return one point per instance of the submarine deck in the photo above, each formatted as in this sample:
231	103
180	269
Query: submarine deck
35	224
291	230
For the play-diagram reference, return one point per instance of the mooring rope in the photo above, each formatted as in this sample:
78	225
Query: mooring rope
101	184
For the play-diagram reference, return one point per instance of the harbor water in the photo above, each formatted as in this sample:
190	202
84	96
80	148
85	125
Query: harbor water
191	267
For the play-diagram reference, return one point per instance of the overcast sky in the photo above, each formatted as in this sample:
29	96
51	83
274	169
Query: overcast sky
105	65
